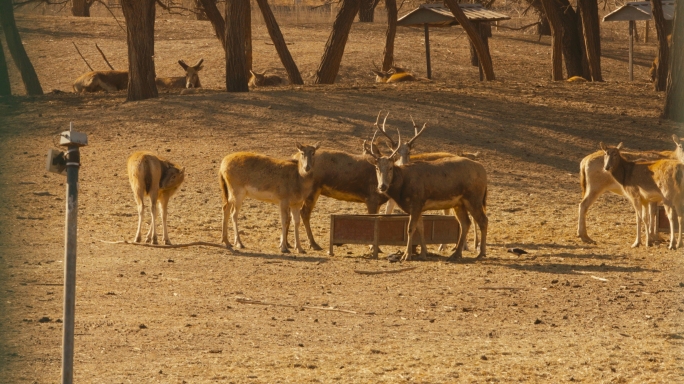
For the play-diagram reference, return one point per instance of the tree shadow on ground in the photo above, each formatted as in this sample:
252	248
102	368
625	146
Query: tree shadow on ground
283	257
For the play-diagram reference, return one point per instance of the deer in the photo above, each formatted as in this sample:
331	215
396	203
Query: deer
394	75
190	80
158	179
262	80
284	182
112	81
404	156
595	181
649	182
679	151
450	182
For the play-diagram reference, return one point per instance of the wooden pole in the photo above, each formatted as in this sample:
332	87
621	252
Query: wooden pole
427	50
631	50
70	234
646	32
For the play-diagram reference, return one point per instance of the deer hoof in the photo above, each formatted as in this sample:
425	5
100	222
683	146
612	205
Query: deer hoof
636	245
315	247
301	251
284	250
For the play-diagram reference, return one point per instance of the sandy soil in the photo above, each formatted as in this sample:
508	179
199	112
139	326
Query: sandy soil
566	311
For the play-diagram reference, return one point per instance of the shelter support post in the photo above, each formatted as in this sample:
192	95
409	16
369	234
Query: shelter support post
646	32
631	50
427	50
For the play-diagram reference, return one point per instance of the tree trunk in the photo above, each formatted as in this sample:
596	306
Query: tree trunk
5	88
660	83
367	11
674	96
139	15
474	35
279	43
200	14
592	36
16	49
553	15
80	8
388	55
334	48
248	38
236	60
572	39
216	20
544	26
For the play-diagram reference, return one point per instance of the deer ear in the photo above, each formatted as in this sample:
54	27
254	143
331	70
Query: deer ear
198	66
619	146
253	74
299	146
182	64
603	147
675	138
317	145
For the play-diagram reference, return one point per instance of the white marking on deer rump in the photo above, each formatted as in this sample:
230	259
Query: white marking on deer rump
267	196
431	205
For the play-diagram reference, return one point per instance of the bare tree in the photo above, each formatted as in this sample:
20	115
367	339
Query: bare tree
674	96
388	56
660	83
279	42
16	49
573	42
475	38
588	10
556	24
334	48
139	15
81	7
214	16
5	87
237	12
367	10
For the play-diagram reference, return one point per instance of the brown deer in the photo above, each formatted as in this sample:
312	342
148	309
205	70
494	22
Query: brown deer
159	179
190	80
595	181
283	182
649	182
112	81
394	75
262	80
451	182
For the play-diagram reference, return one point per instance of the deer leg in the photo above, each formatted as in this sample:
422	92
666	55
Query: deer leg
152	233
234	212
442	247
588	199
140	202
307	208
296	213
421	232
463	219
373	207
639	221
163	205
413	222
680	221
476	242
482	221
227	207
389	208
671	216
284	219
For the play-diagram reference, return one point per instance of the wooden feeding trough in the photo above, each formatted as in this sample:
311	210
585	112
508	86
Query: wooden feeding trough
663	221
379	230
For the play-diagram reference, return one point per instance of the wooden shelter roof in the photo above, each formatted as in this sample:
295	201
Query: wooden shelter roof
640	10
437	15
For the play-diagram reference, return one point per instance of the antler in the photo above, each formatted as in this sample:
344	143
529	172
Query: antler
416	132
370	147
384	132
398	145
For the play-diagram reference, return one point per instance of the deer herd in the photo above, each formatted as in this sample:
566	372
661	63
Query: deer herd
414	182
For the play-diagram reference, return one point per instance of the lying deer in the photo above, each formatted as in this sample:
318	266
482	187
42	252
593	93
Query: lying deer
649	182
159	179
262	80
283	182
394	75
595	181
190	80
112	81
451	182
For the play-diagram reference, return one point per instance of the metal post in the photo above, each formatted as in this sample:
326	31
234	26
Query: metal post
427	50
72	166
631	50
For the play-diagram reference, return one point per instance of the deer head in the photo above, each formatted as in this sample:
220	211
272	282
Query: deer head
306	157
191	73
612	156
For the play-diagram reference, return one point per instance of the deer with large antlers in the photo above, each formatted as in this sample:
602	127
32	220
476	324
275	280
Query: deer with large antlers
450	182
649	182
283	182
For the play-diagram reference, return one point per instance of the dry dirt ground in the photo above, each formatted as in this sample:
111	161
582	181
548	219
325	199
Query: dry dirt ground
568	311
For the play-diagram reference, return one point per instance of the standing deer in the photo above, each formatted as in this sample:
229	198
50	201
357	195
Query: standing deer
283	182
651	182
159	179
595	181
451	182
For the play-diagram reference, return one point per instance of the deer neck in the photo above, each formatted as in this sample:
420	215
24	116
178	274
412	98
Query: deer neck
622	171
